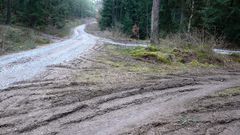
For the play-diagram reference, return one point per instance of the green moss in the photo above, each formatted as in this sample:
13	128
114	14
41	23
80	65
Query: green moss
230	92
163	59
235	57
149	54
42	41
152	48
195	63
122	59
156	56
198	56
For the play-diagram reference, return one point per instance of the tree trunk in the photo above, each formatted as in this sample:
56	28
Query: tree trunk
155	22
182	12
232	2
191	16
147	26
2	6
8	20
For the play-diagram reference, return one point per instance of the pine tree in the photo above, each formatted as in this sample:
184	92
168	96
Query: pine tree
106	14
36	13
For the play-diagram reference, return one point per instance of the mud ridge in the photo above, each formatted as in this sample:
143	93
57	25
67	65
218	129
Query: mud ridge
125	105
52	118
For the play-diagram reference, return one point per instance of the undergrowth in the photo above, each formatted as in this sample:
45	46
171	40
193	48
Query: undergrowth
193	56
16	38
191	49
64	31
151	54
235	57
230	92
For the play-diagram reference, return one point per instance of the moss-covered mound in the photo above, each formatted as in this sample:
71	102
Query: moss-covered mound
195	56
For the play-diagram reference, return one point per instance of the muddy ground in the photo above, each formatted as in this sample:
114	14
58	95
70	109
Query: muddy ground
109	93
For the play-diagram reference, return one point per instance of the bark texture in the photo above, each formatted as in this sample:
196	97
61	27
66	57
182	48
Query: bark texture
155	22
191	16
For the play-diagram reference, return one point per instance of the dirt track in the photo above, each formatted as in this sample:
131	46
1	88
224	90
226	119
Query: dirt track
25	65
87	96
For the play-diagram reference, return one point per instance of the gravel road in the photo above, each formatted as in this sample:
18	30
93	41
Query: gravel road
25	65
81	94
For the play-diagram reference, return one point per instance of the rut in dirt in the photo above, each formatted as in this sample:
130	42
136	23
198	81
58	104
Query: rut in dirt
52	106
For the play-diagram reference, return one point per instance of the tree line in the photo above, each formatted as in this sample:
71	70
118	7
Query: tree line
43	12
218	17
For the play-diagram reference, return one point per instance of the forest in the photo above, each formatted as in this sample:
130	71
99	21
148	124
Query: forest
119	67
35	13
220	18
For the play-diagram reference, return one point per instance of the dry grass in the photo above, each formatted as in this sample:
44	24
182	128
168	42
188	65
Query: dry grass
230	92
16	38
200	44
123	59
114	34
195	38
65	31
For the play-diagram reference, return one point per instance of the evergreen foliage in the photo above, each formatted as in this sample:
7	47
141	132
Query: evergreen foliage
218	17
223	17
126	13
37	13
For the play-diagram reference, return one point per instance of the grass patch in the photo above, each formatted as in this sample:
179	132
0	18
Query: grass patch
191	56
235	57
185	120
150	60
150	54
230	92
122	59
16	38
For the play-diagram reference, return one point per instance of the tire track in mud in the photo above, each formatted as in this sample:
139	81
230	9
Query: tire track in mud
96	106
125	104
206	115
102	100
37	105
99	101
51	119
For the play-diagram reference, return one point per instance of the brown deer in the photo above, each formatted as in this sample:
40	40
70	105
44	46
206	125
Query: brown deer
135	31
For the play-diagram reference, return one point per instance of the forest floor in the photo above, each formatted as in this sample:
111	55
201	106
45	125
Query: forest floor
106	92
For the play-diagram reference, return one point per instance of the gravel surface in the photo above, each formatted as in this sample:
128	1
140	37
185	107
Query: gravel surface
224	51
89	97
25	65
